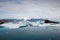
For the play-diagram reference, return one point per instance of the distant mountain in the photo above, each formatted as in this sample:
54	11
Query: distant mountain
35	20
45	20
49	21
2	21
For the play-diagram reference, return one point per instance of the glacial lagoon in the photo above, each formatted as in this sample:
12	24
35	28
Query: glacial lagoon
30	33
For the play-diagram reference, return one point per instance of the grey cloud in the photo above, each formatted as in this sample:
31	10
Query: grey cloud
38	8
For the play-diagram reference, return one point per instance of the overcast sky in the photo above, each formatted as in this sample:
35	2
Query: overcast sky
29	9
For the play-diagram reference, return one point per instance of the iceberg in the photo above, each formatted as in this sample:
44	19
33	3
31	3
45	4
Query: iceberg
10	25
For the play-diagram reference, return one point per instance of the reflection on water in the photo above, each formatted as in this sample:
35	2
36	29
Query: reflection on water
30	33
1	26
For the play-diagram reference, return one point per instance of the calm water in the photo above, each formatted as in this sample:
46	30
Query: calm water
30	33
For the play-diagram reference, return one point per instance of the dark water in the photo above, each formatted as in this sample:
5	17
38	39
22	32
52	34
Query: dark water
30	33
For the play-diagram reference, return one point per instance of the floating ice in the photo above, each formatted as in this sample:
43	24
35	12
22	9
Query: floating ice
10	25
